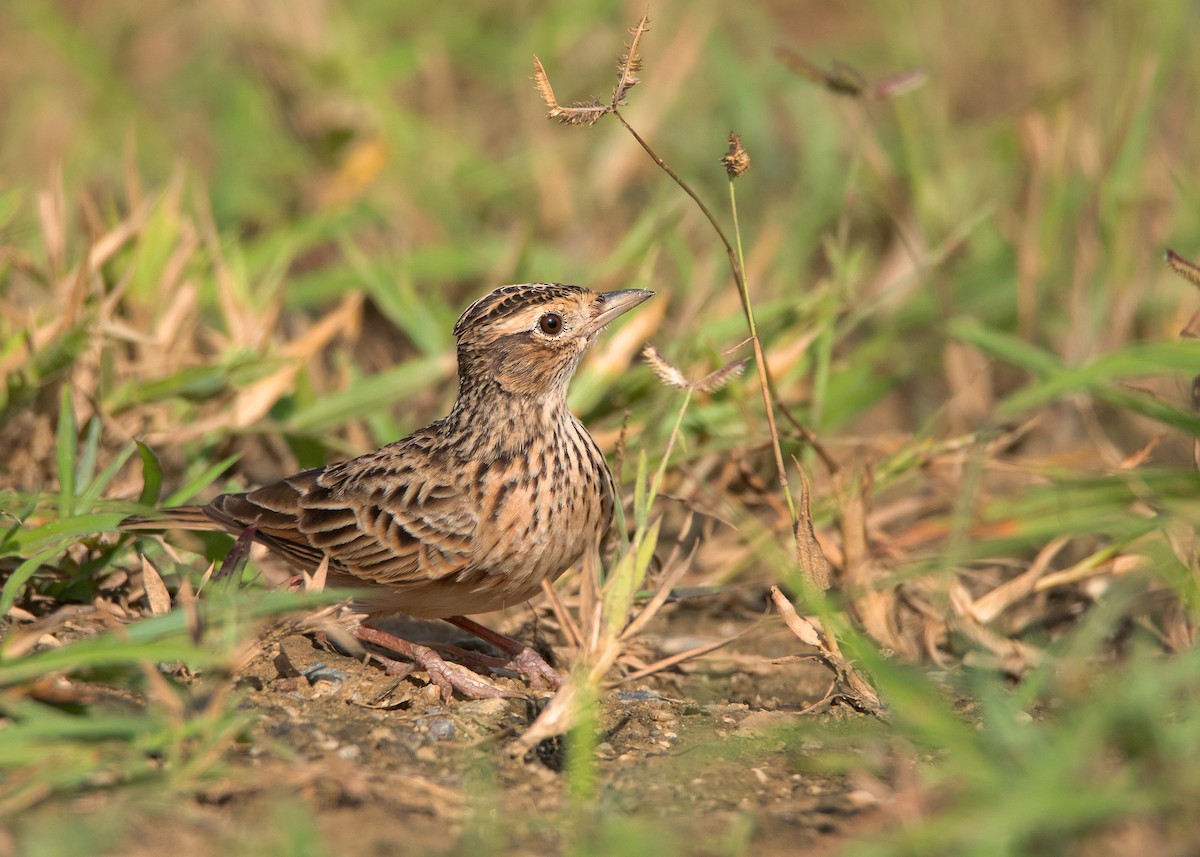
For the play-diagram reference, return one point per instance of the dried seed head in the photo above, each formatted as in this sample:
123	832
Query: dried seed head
842	79
1183	267
899	84
716	380
737	161
672	376
666	371
585	113
629	63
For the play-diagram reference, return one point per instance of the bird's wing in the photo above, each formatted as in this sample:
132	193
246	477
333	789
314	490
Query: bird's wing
384	518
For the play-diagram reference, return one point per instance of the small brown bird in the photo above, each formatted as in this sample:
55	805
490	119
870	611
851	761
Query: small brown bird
469	514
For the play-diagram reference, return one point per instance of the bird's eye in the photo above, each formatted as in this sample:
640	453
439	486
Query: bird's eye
551	324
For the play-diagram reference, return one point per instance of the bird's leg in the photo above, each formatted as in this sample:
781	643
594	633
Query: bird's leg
522	658
448	676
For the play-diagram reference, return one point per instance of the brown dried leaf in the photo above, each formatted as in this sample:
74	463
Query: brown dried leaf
809	555
987	607
849	683
801	627
157	595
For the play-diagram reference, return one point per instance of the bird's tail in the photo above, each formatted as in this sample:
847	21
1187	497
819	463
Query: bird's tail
177	518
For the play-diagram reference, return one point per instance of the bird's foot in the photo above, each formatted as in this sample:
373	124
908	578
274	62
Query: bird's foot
533	666
447	676
521	658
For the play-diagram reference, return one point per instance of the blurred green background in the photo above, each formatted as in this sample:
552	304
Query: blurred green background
246	228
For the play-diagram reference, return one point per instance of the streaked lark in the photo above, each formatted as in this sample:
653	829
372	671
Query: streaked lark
469	514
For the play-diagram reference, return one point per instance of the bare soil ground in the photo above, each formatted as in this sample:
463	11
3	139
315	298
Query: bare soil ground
379	765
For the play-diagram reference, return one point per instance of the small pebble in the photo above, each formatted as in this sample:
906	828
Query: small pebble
320	672
350	753
861	798
441	728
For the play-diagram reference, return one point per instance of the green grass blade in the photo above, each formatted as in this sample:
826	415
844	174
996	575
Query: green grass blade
152	476
201	481
65	442
21	575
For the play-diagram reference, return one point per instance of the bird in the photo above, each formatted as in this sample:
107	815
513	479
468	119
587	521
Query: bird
471	513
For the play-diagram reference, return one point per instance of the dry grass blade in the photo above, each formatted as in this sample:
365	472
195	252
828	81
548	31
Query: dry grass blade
586	113
682	657
629	63
1016	658
873	606
566	621
987	607
676	566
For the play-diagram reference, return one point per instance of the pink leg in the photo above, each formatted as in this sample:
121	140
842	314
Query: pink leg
448	676
522	658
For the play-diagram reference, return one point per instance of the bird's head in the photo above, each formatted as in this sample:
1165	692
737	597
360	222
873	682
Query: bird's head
529	338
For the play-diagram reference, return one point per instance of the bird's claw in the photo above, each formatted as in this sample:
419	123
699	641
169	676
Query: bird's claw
450	677
541	675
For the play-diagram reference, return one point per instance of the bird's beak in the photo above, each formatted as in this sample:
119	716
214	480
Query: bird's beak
612	304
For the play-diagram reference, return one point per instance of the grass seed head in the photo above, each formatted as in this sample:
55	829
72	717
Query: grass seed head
737	159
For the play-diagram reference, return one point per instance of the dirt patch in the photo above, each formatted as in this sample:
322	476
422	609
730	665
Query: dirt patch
700	758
